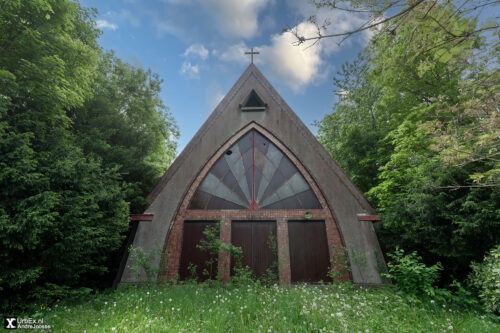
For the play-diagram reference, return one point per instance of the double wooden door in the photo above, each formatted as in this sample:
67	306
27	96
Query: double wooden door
258	241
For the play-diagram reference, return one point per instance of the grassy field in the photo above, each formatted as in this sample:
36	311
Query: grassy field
193	308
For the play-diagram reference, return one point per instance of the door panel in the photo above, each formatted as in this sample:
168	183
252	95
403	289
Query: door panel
241	236
253	238
309	257
193	233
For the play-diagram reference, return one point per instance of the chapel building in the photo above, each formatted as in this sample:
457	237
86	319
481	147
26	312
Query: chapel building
256	170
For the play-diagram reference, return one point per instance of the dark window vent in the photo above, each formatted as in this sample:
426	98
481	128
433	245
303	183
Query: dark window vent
253	103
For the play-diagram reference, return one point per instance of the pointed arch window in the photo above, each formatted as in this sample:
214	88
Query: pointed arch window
254	174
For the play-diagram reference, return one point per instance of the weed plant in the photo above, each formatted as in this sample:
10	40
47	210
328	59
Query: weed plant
194	307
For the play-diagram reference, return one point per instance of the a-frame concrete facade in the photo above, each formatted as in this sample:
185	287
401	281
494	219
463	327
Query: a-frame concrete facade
346	213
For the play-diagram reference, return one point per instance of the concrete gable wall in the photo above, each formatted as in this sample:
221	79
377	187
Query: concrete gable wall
344	198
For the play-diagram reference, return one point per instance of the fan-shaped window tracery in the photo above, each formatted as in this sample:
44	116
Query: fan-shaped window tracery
254	174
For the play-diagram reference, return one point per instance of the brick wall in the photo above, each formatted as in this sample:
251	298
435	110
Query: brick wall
173	248
173	242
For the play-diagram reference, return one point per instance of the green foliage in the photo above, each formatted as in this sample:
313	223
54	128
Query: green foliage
417	282
212	245
242	277
253	308
61	213
64	207
485	276
352	134
144	262
193	277
416	129
410	274
271	275
126	125
340	263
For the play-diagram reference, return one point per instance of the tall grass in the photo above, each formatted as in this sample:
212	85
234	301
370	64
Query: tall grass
255	308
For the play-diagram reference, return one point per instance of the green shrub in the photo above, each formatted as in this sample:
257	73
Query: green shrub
271	276
243	276
340	264
410	274
485	277
212	245
142	261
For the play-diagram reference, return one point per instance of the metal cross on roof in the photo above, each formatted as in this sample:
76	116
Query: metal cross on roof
252	53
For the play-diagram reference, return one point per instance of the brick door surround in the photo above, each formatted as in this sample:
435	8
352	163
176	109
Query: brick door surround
173	243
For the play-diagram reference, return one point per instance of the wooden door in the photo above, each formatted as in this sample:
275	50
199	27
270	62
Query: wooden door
309	257
254	237
191	254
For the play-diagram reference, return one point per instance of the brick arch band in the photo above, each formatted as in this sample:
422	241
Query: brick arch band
170	260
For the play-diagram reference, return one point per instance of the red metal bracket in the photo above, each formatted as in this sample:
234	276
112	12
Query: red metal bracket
373	218
141	217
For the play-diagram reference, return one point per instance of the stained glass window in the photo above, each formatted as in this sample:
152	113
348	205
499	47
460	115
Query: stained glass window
254	174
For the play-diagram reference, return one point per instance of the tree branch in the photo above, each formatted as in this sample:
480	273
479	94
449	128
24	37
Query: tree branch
302	39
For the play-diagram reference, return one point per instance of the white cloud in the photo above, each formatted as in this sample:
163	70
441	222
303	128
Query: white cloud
236	18
224	18
123	17
340	22
300	65
103	24
235	53
197	50
296	66
190	71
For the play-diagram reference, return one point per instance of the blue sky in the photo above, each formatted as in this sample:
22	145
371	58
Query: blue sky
197	47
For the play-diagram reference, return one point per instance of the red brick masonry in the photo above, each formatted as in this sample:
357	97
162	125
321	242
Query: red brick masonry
173	242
